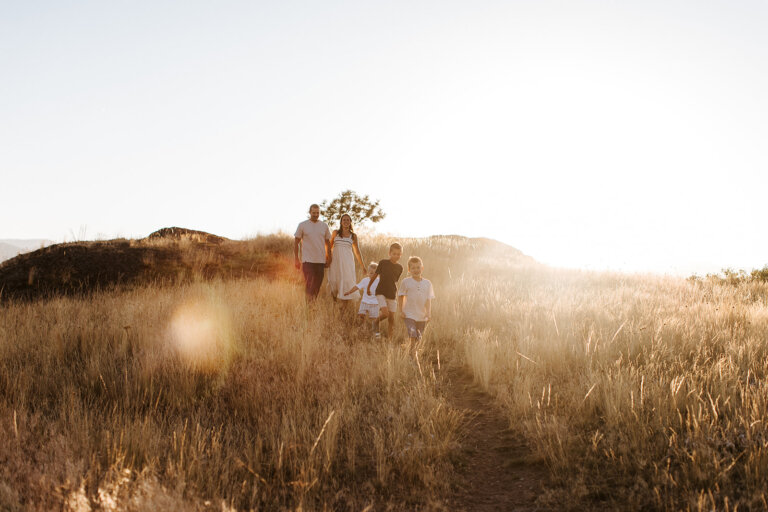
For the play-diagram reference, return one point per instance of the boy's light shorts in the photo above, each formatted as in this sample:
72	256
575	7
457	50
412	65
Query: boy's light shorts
372	310
384	302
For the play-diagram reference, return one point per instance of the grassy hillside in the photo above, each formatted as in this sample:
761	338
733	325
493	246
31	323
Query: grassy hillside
639	392
170	255
190	393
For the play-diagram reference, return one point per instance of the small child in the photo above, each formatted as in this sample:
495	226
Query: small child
369	306
389	272
415	299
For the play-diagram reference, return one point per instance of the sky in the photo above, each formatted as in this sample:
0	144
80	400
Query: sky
618	135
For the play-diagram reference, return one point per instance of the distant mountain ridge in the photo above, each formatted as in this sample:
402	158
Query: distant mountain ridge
10	248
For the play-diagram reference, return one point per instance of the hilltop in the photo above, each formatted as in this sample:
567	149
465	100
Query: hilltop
168	255
173	255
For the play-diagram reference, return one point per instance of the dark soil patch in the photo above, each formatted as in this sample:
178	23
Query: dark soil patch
497	470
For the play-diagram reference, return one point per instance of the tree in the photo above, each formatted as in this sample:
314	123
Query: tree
359	208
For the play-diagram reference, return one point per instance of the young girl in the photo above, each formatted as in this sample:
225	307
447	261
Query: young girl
369	306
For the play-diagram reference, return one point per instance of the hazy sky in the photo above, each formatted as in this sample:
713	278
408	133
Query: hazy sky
628	135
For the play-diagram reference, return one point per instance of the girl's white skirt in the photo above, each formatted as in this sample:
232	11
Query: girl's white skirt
372	310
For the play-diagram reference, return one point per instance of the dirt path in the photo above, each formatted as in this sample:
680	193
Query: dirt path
496	472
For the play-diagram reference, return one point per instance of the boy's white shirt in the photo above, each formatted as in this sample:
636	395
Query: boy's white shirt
363	285
417	293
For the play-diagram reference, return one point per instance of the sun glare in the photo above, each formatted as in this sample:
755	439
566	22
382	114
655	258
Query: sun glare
202	334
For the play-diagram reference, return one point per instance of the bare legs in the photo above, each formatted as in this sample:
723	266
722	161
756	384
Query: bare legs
389	316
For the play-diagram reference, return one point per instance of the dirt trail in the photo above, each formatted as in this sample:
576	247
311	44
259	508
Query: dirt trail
496	472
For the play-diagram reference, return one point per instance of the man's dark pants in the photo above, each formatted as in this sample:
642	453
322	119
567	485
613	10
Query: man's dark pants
313	275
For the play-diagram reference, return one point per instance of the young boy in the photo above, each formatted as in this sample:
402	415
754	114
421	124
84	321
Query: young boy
415	299
369	306
389	272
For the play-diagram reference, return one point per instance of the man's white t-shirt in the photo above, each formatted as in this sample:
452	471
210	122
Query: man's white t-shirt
363	285
313	236
416	293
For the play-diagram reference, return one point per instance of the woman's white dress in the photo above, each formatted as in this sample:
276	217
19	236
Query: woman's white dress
341	275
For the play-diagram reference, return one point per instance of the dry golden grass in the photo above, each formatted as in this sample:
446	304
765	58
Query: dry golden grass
640	392
637	391
204	394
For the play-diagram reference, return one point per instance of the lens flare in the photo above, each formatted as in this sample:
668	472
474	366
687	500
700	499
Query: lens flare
202	334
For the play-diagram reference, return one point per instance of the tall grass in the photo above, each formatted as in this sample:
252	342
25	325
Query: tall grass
206	394
638	391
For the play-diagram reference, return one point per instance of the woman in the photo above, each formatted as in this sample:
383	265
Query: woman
342	275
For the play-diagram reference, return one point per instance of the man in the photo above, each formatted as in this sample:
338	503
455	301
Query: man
314	237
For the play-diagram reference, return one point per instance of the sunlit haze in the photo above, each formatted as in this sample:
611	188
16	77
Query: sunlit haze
622	135
201	334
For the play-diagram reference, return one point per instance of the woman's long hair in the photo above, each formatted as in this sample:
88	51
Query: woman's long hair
341	229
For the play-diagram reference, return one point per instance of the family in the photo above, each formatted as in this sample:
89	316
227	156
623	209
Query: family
317	248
